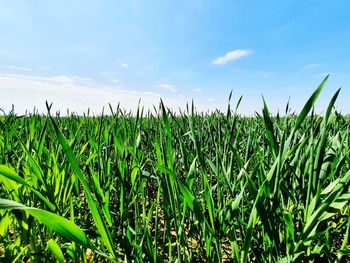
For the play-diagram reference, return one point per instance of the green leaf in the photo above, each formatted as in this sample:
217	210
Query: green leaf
56	223
332	197
55	250
269	129
311	101
10	174
190	200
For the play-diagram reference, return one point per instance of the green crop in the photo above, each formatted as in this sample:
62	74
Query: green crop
183	187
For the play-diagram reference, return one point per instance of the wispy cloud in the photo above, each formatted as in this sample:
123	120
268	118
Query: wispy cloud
68	92
167	86
231	55
114	80
312	66
85	79
16	68
197	89
64	79
124	65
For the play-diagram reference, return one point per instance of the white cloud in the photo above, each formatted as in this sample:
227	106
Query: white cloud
197	89
231	55
82	79
61	79
114	80
124	65
166	86
27	92
311	66
17	68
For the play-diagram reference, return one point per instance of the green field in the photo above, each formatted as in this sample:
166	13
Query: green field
185	187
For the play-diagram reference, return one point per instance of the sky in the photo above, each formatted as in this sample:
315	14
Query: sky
85	54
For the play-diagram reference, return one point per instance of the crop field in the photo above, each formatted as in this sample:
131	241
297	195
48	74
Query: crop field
187	187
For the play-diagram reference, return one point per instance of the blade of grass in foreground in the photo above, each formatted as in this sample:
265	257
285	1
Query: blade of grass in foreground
316	216
55	250
309	104
60	225
10	174
270	134
253	218
95	211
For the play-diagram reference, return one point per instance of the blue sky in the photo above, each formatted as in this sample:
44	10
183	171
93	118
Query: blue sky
81	54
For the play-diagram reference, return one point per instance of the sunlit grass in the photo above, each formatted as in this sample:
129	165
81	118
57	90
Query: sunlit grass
166	187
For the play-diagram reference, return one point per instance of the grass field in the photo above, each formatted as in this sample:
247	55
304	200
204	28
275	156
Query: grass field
185	187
